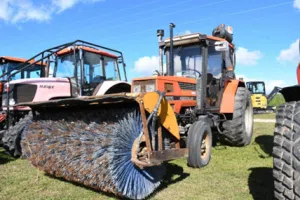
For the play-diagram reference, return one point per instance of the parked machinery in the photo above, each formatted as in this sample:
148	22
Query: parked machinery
117	143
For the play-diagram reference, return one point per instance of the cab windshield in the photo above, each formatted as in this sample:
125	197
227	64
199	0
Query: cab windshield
96	68
188	61
256	87
31	72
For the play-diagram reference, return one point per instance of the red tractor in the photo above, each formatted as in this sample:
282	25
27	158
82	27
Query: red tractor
286	149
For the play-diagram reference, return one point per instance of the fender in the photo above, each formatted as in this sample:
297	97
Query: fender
228	98
291	93
106	85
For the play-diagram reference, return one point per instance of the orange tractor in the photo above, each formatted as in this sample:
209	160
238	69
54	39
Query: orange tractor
286	149
117	143
210	61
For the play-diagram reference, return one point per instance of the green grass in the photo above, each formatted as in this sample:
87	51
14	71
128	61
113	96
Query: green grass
265	116
233	173
277	100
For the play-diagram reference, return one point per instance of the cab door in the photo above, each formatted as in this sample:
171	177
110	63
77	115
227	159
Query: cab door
214	75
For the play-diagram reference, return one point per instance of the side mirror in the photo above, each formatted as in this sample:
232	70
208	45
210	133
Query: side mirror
221	46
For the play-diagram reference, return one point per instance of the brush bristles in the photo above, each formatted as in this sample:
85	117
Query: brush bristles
92	148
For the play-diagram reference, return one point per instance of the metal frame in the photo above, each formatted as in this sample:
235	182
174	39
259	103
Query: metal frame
54	50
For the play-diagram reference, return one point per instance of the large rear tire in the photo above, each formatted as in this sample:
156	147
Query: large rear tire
12	138
239	130
286	152
199	142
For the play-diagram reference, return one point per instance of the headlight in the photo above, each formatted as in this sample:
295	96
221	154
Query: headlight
136	88
150	88
11	102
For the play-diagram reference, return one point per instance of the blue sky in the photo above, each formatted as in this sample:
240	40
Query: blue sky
265	32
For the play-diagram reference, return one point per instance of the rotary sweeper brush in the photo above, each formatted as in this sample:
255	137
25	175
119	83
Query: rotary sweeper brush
104	146
117	143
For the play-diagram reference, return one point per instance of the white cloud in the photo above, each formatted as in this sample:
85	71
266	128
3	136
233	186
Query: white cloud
187	32
269	84
15	11
245	78
290	54
246	57
22	10
147	65
5	10
66	4
297	4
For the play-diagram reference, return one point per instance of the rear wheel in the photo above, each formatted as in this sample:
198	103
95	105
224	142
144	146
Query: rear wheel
286	156
239	130
199	144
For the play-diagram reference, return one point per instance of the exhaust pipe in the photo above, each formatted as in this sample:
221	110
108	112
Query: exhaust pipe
171	57
160	35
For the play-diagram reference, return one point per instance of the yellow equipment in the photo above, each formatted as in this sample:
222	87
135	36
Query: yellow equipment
259	98
258	95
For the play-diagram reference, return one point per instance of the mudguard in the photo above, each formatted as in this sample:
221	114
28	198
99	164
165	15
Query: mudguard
228	98
106	85
291	93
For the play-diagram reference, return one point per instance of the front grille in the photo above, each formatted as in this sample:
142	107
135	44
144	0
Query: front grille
24	92
20	93
187	86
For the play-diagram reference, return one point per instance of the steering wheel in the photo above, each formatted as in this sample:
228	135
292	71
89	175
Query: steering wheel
98	79
189	70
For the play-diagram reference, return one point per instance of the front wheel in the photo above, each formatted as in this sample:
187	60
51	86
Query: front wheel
199	144
12	137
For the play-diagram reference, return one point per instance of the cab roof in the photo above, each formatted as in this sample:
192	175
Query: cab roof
85	48
192	38
4	59
13	59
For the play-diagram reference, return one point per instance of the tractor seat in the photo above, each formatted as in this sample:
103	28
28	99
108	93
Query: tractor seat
98	79
210	78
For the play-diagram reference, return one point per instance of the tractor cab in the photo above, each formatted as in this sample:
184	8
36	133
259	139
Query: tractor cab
11	64
88	68
256	87
189	58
